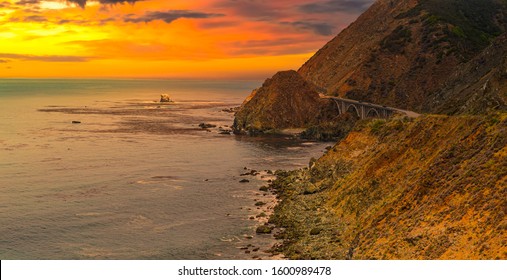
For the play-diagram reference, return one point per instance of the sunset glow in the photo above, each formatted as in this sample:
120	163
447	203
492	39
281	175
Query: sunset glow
155	38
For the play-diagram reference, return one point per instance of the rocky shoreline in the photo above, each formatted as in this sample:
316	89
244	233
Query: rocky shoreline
307	229
264	200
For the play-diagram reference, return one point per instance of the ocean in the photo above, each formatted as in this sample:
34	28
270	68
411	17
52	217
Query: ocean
99	169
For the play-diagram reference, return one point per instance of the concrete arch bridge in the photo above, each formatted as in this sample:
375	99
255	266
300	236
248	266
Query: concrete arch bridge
366	110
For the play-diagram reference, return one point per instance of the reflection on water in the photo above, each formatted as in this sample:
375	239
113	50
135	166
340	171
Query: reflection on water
135	179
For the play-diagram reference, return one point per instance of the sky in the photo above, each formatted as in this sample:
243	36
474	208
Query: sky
166	39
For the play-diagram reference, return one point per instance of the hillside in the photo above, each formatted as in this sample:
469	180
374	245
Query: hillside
284	101
400	52
428	56
430	188
478	86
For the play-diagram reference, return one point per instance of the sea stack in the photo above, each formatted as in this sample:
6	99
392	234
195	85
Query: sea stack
165	98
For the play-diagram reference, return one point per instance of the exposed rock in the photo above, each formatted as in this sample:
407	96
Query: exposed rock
264	229
165	98
284	101
261	215
264	188
315	231
244	181
231	110
253	172
76	122
206	125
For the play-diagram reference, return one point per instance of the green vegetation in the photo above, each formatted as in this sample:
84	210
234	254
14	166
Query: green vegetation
469	24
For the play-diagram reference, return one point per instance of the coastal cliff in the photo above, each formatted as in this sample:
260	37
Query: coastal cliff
288	102
430	188
284	101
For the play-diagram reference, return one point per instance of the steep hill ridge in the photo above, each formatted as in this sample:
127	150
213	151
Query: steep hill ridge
398	52
430	188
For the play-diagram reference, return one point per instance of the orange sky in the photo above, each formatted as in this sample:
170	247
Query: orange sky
156	38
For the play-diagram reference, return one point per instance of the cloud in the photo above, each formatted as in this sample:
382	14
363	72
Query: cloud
319	28
333	6
278	46
5	4
45	58
28	2
82	3
169	16
35	18
256	9
4	61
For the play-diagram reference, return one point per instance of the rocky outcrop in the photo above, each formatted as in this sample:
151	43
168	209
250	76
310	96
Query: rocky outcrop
165	98
285	101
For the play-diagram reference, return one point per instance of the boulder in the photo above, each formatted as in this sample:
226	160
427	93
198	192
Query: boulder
206	125
264	229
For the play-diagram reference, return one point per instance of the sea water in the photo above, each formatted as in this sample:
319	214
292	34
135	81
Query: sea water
99	169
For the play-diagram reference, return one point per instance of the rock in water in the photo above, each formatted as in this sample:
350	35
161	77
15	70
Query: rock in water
264	229
165	98
206	125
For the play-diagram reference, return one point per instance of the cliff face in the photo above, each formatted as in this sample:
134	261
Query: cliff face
399	52
284	101
430	188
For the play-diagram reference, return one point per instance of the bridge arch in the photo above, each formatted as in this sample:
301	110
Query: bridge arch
351	108
338	106
372	113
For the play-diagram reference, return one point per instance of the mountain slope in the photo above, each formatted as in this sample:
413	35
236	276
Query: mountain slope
398	52
479	86
430	188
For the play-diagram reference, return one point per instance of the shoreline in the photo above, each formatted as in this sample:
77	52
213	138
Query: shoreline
263	202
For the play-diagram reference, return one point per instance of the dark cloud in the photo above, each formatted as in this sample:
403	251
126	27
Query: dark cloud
82	3
28	2
35	19
333	6
45	58
84	22
254	9
169	16
4	61
319	28
280	46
